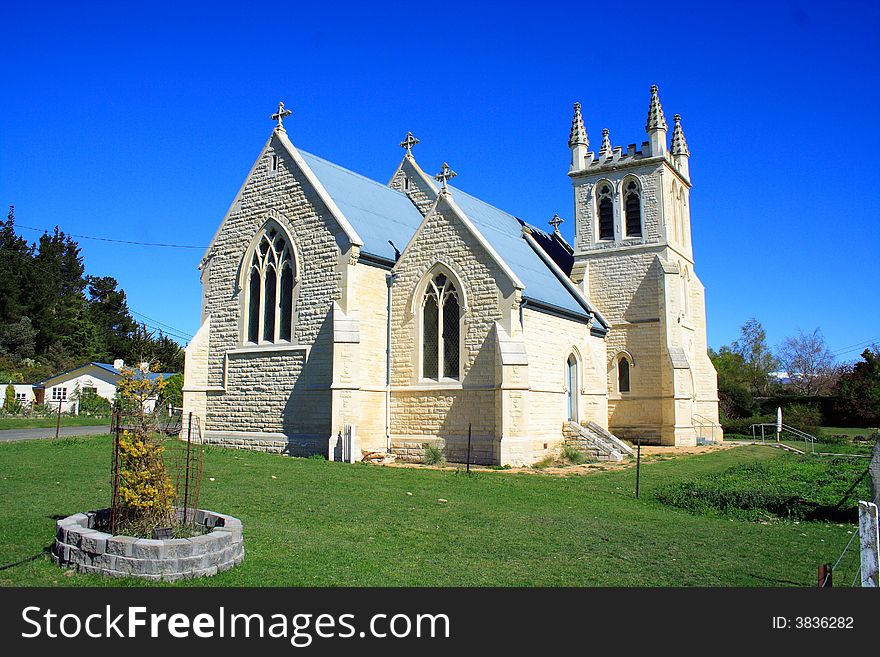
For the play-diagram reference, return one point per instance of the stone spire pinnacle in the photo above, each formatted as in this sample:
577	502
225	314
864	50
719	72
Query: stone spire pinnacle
656	120
578	134
578	141
605	149
679	143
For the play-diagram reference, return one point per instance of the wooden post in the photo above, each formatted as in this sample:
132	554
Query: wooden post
638	463
870	544
58	424
469	449
874	471
825	575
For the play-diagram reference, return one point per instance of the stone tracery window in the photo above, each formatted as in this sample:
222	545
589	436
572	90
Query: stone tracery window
632	204
271	279
441	334
605	208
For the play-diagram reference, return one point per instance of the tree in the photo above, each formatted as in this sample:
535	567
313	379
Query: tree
760	362
16	257
108	311
858	389
172	393
734	383
18	340
808	361
10	403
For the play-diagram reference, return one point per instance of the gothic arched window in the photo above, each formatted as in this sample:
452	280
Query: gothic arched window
623	383
605	207
271	279
632	204
441	316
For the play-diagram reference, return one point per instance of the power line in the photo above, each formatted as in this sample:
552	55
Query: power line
116	241
855	346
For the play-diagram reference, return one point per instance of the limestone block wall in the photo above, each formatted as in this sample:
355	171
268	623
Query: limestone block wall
412	181
549	341
586	231
267	390
369	294
440	410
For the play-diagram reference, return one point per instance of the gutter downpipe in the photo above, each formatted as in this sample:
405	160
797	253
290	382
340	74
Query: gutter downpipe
389	281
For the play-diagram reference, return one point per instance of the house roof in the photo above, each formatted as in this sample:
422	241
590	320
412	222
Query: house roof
381	214
106	367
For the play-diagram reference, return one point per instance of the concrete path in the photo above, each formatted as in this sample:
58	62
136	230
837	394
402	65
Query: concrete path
35	434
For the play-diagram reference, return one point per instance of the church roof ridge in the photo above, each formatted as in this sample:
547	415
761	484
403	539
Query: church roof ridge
380	213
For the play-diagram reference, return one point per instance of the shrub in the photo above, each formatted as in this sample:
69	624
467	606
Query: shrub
798	488
433	455
145	490
573	455
805	417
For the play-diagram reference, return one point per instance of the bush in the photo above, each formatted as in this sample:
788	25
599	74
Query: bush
95	405
743	426
172	392
805	417
573	455
433	455
793	487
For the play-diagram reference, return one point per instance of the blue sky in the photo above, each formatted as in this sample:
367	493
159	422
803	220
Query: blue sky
139	121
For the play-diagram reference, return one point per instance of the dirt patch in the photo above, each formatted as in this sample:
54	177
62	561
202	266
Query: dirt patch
649	453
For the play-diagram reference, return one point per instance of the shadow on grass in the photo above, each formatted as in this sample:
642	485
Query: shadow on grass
46	550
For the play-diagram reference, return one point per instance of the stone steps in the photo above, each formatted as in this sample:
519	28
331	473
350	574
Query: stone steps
594	441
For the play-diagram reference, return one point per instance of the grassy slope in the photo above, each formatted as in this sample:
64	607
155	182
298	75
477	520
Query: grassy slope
47	422
320	524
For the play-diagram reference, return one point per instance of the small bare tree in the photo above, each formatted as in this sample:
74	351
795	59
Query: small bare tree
808	361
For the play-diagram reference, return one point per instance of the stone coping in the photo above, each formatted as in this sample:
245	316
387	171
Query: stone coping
80	545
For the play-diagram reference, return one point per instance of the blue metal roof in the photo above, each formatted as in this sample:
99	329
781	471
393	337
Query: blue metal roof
149	375
504	232
379	214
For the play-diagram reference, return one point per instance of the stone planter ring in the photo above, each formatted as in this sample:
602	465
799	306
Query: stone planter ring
80	545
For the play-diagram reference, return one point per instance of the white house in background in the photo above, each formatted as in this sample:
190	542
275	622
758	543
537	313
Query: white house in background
95	378
24	392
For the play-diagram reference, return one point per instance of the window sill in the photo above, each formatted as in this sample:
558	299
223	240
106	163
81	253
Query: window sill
266	348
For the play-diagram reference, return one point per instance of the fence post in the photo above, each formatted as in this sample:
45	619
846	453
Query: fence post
874	470
870	543
825	575
58	425
469	449
638	463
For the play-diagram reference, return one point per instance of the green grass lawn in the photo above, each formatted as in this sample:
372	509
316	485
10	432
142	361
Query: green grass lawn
46	422
315	523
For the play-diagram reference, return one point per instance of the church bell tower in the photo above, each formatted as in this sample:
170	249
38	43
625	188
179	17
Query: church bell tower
633	258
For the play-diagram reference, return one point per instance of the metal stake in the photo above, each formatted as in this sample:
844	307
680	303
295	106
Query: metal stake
638	463
469	449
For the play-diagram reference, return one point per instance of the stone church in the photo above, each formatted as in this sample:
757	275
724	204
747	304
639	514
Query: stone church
341	314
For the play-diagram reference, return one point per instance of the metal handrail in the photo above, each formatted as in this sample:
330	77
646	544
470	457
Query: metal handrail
803	435
702	421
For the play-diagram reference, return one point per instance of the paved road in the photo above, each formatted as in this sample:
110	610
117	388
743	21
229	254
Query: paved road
34	434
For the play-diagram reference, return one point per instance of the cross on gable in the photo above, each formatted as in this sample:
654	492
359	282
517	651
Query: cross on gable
446	174
280	115
409	142
556	221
